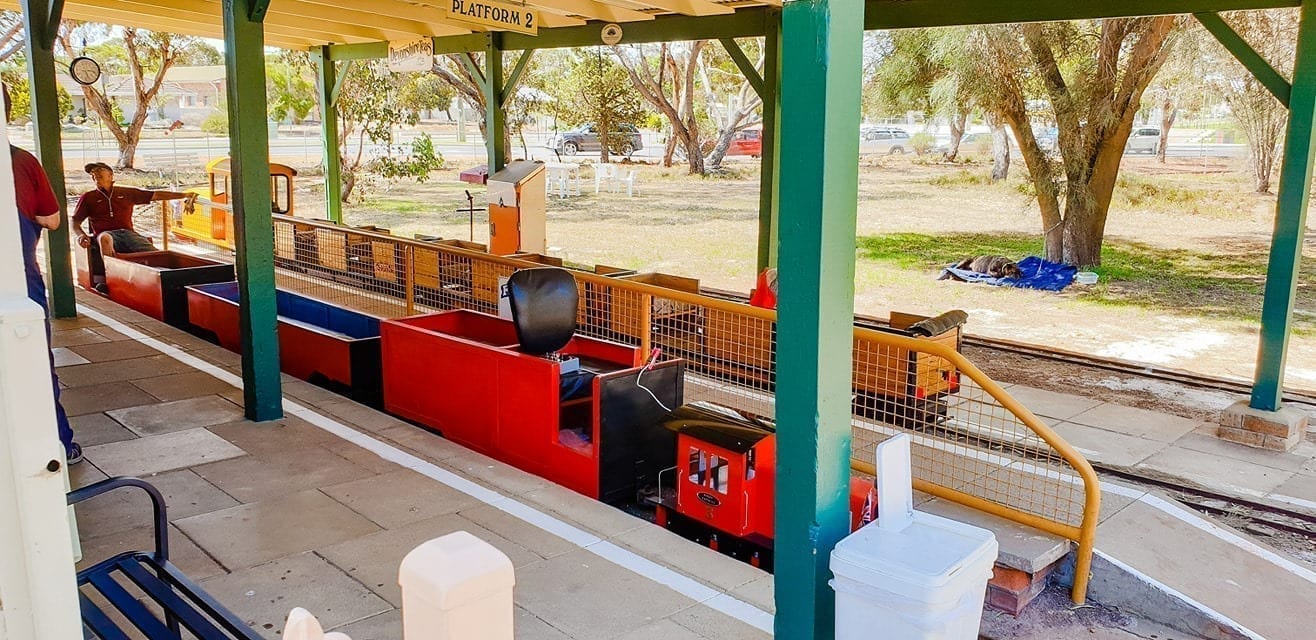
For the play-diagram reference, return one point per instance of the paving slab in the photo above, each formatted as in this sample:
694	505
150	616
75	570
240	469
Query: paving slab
1136	422
186	494
102	397
252	534
360	457
1286	461
1252	591
1108	447
589	598
113	513
715	625
121	370
528	626
165	452
492	473
1051	404
168	417
73	337
663	629
1215	472
759	593
362	416
374	559
399	498
310	394
81	475
1301	486
519	531
1022	548
65	357
263	595
587	513
425	444
259	477
385	626
693	559
273	439
92	429
117	350
182	551
183	385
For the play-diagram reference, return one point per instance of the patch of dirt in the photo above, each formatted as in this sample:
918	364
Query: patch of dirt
1052	616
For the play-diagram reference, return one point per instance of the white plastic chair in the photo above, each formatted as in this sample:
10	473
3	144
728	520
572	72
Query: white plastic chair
605	173
629	181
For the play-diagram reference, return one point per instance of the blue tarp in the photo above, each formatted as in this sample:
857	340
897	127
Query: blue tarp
1037	274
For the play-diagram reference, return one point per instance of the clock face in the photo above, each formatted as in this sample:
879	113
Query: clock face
84	70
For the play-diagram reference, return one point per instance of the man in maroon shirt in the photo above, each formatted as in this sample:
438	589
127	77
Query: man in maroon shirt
38	209
108	209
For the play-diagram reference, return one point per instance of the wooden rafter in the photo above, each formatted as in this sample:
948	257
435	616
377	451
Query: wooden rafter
590	9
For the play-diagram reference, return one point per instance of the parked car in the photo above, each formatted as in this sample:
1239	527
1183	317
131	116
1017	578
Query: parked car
887	140
1144	140
747	142
979	142
586	138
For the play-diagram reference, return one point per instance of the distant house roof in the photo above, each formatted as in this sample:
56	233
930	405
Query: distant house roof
207	73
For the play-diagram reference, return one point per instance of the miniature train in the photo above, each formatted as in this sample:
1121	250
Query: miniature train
623	435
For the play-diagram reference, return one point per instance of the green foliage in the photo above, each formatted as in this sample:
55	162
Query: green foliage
289	90
417	164
599	91
922	142
20	99
216	123
369	109
425	92
961	178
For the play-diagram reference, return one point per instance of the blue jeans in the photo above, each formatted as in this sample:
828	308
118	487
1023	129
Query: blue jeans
36	291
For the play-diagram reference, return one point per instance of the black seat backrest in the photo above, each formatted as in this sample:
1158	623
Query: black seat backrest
543	308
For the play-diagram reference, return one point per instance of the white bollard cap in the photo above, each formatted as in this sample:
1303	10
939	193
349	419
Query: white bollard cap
454	570
895	484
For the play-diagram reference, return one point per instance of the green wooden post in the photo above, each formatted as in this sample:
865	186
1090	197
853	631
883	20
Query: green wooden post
495	119
1290	221
771	158
41	18
821	50
244	58
327	92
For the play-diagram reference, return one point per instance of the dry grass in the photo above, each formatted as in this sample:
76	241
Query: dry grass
1184	215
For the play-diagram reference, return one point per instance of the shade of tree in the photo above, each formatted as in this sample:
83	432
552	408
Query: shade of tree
369	111
1093	75
598	90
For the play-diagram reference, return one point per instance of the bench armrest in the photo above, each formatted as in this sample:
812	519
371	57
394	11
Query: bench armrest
161	518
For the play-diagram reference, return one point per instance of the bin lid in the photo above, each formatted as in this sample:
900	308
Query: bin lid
475	175
517	171
930	552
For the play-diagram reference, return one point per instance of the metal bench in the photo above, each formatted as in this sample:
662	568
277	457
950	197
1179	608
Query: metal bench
185	607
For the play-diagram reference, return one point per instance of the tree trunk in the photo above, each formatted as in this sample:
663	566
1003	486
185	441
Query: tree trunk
1084	230
127	151
957	124
1265	163
1168	114
669	148
714	161
1000	150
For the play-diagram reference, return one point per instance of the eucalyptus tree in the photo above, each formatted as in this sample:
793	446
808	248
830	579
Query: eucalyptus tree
1093	75
664	75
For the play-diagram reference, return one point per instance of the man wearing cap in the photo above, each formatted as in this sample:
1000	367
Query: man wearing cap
109	211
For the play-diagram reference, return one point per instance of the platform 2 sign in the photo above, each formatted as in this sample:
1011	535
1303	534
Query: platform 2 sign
506	17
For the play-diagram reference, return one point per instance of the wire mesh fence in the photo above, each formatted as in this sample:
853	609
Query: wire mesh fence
972	443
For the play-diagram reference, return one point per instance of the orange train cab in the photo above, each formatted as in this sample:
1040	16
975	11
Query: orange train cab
726	482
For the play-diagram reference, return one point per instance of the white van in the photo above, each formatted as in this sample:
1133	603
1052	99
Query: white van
1144	140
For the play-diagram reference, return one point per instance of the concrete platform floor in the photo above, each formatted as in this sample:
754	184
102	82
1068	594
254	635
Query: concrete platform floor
307	512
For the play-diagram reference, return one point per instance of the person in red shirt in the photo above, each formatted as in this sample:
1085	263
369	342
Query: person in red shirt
108	210
38	209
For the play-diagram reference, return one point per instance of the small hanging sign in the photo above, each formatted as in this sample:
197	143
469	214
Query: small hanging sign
411	55
499	15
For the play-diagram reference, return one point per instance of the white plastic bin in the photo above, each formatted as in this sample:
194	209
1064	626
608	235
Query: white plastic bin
910	575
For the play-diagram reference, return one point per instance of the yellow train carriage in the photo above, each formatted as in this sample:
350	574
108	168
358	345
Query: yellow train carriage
214	225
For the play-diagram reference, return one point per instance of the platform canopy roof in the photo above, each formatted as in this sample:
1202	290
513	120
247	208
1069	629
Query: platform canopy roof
301	24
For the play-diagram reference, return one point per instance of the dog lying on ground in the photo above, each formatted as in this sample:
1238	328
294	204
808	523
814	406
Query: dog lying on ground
994	266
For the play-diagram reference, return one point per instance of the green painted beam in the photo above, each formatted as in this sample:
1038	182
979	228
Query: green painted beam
821	55
906	14
244	59
328	84
54	13
1290	222
257	9
744	64
1247	56
45	122
473	68
514	78
770	161
442	45
495	119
